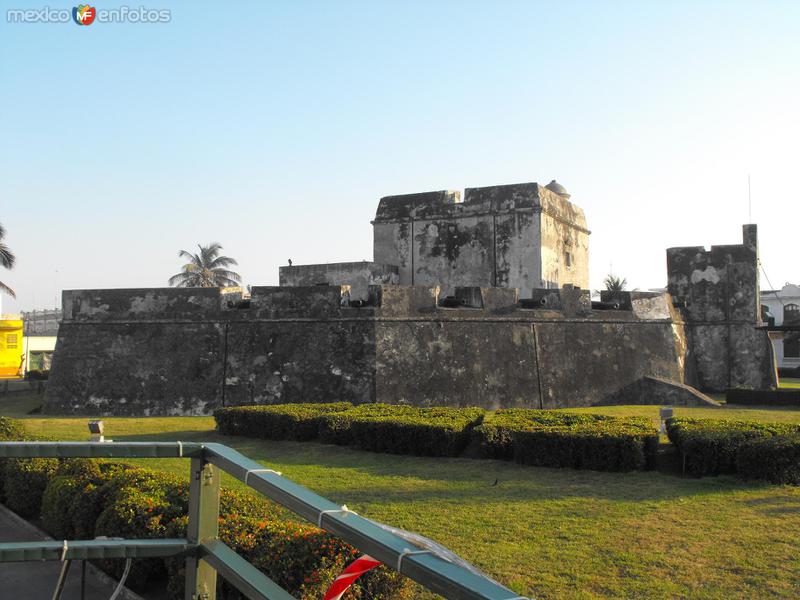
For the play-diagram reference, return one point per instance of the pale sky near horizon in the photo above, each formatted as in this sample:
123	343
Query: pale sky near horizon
275	127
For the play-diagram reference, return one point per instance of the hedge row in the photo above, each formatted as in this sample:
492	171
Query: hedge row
779	397
388	428
753	450
83	499
776	459
299	422
536	437
438	431
557	439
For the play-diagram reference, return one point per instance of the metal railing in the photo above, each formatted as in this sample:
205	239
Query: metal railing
206	555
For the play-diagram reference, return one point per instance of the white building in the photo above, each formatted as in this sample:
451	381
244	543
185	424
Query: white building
784	307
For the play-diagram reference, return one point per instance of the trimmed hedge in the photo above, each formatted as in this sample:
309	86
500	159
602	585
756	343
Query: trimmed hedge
710	446
779	397
776	459
579	441
297	422
436	431
535	437
395	429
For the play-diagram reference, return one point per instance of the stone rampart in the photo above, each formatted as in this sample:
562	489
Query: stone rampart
177	351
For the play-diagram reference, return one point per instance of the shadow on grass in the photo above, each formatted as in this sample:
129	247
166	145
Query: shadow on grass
20	403
776	505
395	478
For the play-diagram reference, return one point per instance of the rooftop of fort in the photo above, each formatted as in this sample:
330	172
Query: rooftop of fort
552	199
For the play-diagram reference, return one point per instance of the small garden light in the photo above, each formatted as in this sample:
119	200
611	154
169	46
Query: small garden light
665	413
96	429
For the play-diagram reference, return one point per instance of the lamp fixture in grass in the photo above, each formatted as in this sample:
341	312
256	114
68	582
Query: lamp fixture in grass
96	429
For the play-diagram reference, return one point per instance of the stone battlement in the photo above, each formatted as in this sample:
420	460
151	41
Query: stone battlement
479	201
335	302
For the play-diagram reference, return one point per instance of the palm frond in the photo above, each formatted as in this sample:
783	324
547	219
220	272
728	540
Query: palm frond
7	290
7	257
178	279
224	274
222	262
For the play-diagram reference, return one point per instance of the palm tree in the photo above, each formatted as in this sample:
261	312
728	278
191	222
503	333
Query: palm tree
614	283
206	269
7	259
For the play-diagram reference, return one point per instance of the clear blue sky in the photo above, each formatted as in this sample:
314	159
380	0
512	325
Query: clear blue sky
274	127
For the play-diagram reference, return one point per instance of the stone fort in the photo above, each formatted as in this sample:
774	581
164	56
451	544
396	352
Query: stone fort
480	301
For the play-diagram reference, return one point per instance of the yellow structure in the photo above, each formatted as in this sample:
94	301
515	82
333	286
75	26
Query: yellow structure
11	349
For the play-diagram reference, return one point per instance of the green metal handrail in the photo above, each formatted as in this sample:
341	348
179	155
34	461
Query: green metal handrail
206	555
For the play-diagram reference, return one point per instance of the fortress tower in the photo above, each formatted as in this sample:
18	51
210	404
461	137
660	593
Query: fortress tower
521	235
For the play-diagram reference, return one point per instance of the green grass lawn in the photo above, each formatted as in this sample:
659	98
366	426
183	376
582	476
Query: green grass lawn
550	533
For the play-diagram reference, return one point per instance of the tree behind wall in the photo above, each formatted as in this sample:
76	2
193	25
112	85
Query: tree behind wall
206	269
7	259
614	283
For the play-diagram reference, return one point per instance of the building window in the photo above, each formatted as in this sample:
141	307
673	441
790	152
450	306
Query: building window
568	259
791	314
11	341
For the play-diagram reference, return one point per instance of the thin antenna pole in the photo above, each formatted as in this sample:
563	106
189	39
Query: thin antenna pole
749	202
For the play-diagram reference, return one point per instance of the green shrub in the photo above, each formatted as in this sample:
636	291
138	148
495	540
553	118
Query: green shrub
276	422
776	459
709	446
559	439
376	427
87	506
57	501
71	479
300	558
11	430
436	431
137	514
25	482
335	429
38	375
338	428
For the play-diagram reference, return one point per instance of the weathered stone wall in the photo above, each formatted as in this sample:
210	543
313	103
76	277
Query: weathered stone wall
717	292
564	243
515	236
168	351
138	352
358	275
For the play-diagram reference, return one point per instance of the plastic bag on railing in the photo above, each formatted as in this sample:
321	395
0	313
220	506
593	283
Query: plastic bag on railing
436	549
